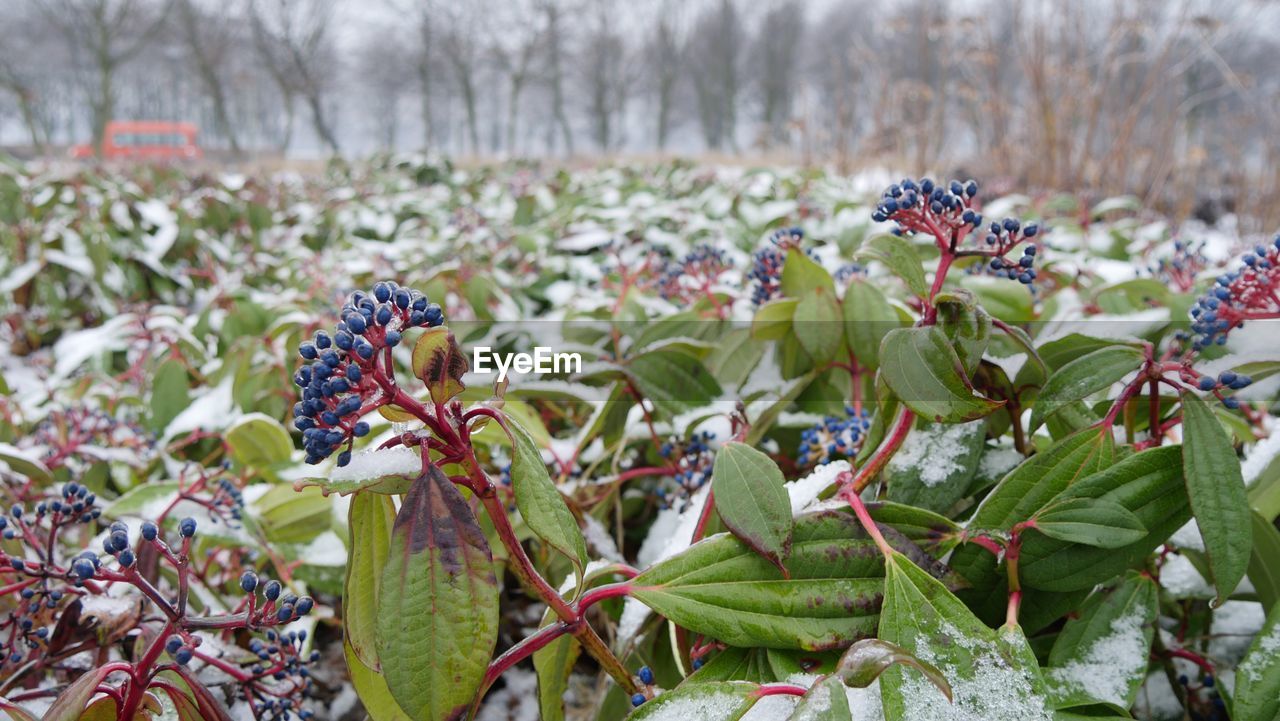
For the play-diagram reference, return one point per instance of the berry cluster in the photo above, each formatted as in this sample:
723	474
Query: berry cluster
1024	270
948	213
645	677
282	659
1180	271
833	436
693	275
1226	380
75	435
693	460
1252	292
913	205
767	263
848	272
346	379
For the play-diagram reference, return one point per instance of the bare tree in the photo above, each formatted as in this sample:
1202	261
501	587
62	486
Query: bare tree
210	39
775	54
21	55
556	44
294	42
714	53
386	64
106	34
663	59
515	49
604	74
462	43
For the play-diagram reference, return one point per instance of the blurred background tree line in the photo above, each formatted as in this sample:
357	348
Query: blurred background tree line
1174	101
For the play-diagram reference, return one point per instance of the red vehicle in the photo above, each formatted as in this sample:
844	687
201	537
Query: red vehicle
145	140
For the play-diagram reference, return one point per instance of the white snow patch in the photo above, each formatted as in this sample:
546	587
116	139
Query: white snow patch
1188	537
771	708
599	539
805	490
699	706
370	465
212	411
1181	579
672	530
1256	663
993	691
1235	624
866	703
1259	457
1104	670
998	461
934	452
516	701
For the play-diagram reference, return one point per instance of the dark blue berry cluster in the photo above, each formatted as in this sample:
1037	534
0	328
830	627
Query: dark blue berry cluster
1250	292
1180	271
1226	380
345	379
692	460
1022	271
646	679
71	434
933	201
947	212
833	436
684	280
767	263
848	272
282	675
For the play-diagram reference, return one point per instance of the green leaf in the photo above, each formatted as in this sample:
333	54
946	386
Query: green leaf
293	516
672	379
372	689
1101	655
390	470
720	587
993	674
817	324
772	320
1257	692
715	701
440	364
1264	561
1090	521
370	519
901	259
553	663
1083	377
867	659
169	393
825	701
801	274
1022	492
923	370
1148	485
258	441
75	698
966	324
1216	490
437	603
867	318
751	500
541	505
143	497
936	472
24	463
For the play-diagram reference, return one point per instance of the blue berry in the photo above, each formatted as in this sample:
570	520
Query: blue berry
272	590
183	656
187	527
638	699
248	581
1207	384
646	675
126	558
